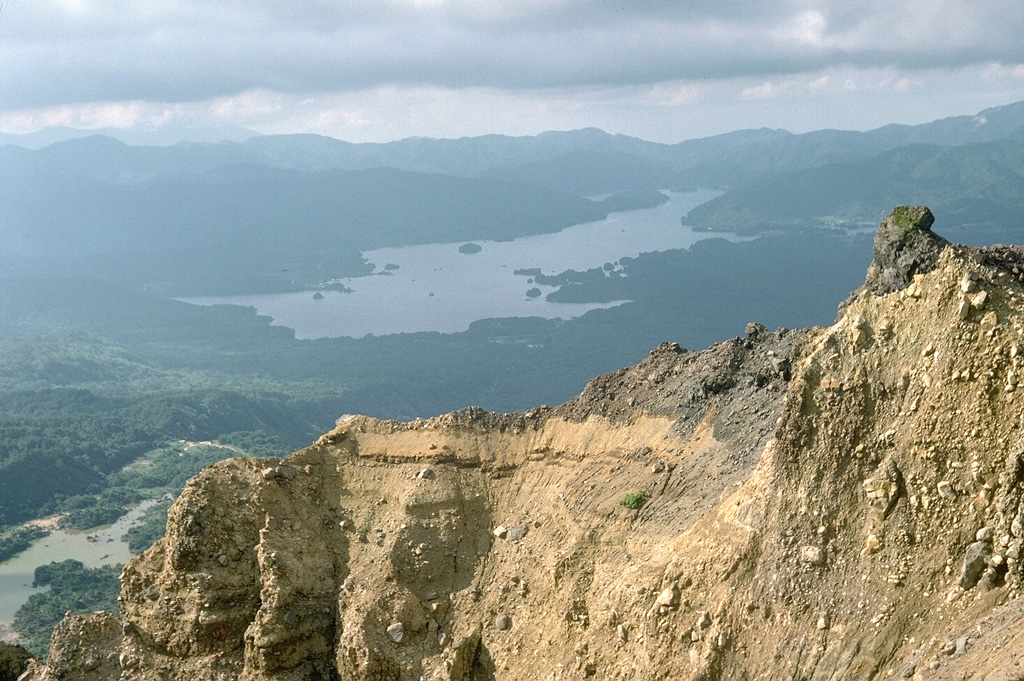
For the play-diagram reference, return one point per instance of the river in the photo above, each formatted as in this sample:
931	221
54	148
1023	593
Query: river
93	547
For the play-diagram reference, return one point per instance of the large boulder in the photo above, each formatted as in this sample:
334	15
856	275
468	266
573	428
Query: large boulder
904	246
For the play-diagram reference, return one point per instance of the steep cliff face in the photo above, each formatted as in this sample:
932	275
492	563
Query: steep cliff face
840	503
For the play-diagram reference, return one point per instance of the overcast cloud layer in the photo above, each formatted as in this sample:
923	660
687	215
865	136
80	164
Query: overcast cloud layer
381	69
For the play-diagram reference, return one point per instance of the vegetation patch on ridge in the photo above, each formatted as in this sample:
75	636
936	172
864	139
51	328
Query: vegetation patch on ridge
635	500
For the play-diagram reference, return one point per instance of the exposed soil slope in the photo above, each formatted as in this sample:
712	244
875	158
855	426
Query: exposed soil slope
840	503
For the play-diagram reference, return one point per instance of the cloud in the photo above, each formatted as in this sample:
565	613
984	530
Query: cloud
833	82
670	111
380	69
63	51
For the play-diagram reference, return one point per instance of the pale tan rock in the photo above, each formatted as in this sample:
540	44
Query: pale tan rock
762	521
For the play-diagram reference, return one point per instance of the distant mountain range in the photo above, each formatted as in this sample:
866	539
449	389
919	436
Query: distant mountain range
280	212
158	136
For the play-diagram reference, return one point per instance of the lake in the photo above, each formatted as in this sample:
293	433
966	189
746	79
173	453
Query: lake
435	287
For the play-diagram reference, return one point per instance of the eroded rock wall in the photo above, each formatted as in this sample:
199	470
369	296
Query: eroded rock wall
840	503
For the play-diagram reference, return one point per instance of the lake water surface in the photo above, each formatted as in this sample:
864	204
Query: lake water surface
437	288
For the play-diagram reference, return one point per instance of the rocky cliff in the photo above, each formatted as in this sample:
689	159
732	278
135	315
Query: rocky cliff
840	503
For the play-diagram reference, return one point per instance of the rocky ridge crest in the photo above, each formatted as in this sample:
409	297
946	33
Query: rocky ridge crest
840	503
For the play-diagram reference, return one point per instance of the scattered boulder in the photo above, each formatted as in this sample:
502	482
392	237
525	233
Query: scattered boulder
945	489
279	473
782	366
975	560
703	621
872	544
517	533
882	492
755	329
668	598
812	555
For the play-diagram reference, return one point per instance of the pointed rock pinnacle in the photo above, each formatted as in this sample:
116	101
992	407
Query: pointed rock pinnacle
904	246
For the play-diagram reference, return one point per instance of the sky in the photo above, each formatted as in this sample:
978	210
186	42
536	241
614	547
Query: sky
378	70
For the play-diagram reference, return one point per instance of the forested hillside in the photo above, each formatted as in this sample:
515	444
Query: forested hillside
973	186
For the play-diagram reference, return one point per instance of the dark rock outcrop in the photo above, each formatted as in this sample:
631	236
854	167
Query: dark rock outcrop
13	661
904	246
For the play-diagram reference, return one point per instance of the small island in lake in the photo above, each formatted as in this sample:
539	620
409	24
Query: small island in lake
318	296
533	293
333	286
470	248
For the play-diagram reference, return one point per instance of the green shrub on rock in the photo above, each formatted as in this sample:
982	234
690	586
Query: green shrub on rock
635	500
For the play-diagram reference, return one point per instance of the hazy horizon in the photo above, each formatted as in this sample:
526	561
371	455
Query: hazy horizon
393	69
171	133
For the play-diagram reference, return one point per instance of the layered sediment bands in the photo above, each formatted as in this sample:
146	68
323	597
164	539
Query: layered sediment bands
302	568
841	503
